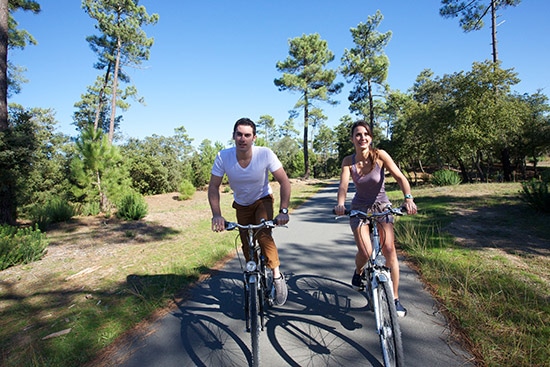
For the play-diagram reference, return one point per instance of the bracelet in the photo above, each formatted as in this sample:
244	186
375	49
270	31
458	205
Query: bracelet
408	196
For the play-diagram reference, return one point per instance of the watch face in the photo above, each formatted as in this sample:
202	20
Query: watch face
283	211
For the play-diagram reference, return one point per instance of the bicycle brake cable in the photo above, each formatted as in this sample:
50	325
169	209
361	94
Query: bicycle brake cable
238	252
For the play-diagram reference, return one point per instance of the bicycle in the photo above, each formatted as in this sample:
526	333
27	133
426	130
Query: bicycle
379	289
258	284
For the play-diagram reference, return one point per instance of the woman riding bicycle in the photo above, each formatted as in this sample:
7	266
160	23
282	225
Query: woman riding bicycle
366	168
247	168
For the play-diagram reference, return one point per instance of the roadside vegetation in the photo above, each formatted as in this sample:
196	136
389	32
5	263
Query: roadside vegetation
467	243
483	252
102	276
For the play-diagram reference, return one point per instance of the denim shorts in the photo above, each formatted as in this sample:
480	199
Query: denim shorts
377	207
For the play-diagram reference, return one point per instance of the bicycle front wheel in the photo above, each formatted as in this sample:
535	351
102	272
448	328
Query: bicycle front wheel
389	331
254	316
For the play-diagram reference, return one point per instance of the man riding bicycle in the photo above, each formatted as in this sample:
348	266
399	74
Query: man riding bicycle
247	168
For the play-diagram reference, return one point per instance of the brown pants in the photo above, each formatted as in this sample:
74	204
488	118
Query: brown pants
253	214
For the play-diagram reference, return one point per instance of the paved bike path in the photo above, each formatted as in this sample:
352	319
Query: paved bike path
323	323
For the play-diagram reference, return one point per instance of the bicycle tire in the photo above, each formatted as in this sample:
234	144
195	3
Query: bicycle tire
247	306
261	303
254	323
390	332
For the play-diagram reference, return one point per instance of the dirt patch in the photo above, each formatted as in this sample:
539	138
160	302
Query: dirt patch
490	230
87	250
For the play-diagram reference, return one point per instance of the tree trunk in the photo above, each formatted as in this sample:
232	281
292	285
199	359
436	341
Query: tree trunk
306	152
4	16
477	163
100	97
494	29
371	106
8	204
506	165
535	162
114	98
464	171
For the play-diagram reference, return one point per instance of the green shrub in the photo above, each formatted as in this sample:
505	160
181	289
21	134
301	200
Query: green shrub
54	211
446	178
90	208
535	193
21	245
186	190
132	206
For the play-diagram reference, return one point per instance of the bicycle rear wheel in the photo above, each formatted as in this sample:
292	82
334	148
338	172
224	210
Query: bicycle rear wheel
254	310
389	332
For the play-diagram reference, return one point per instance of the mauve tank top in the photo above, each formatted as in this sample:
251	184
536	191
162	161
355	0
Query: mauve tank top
369	189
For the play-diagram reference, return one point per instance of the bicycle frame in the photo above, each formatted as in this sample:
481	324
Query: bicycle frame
379	290
258	284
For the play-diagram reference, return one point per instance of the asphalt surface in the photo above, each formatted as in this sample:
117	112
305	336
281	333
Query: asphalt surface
323	323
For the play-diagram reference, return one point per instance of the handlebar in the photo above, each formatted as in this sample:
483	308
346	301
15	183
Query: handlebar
229	226
364	215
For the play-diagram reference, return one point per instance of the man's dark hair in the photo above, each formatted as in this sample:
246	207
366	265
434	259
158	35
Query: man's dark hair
247	122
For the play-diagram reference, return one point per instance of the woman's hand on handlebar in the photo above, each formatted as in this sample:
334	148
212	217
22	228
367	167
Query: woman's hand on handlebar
410	206
340	209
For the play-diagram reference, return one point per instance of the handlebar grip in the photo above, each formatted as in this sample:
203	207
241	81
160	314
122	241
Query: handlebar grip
346	212
402	210
229	226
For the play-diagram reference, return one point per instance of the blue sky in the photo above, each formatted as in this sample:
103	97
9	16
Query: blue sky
213	61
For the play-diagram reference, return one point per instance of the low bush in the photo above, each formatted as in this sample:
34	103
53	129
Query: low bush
132	206
187	190
54	211
445	178
535	193
21	245
89	209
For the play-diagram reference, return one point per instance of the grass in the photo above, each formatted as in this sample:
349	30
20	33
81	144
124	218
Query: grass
128	285
496	298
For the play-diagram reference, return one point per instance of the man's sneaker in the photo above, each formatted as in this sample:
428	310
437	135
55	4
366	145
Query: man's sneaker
357	282
401	311
281	291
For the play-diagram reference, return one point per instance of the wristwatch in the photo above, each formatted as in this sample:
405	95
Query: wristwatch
283	211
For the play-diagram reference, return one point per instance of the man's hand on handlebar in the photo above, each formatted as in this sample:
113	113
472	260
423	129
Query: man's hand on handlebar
218	223
281	219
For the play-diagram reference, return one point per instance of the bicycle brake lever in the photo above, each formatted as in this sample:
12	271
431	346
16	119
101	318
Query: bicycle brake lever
401	210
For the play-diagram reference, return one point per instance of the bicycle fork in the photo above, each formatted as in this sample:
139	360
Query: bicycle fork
257	281
378	276
374	277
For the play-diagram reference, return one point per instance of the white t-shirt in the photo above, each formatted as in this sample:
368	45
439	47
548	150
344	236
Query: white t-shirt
251	183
